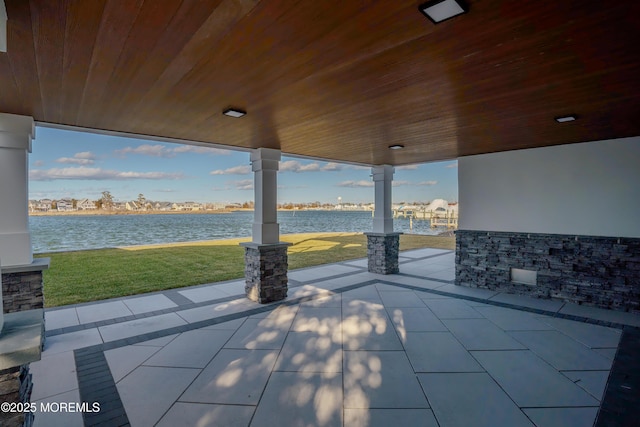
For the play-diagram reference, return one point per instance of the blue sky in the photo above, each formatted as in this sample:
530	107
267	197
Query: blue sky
83	165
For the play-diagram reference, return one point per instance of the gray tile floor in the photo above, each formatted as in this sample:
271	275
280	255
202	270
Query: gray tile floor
347	348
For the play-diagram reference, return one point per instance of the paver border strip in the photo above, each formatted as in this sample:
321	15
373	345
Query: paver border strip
96	383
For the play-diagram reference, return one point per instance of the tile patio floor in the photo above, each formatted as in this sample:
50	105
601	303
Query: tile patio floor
347	347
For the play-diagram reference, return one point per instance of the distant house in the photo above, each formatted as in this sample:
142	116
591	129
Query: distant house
65	205
162	206
132	206
43	205
85	205
186	206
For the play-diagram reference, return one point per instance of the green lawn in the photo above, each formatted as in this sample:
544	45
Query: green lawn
92	275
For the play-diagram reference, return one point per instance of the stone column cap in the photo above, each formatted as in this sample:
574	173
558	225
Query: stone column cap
38	264
265	245
21	338
370	233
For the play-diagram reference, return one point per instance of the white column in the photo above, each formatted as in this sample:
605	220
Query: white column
16	134
382	215
265	163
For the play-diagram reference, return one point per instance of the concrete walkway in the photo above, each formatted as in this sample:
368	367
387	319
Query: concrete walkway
347	347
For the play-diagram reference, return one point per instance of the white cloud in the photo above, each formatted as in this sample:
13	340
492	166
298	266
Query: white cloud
236	170
244	184
83	158
427	183
358	167
290	166
407	167
159	150
452	165
400	183
355	184
296	166
96	174
201	150
332	166
38	163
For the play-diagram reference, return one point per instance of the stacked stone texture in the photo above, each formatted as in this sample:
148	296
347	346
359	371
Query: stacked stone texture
22	291
16	386
266	273
382	253
596	271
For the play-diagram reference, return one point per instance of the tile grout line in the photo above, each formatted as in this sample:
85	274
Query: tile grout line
138	316
111	397
105	373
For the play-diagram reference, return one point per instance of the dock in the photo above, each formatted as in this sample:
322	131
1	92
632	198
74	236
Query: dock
437	218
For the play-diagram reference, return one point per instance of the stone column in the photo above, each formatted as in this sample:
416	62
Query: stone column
383	244
22	334
265	257
21	276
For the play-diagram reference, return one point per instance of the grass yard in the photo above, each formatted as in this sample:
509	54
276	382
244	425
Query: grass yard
93	275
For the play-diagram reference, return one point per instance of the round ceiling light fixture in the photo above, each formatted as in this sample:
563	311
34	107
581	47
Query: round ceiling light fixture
396	147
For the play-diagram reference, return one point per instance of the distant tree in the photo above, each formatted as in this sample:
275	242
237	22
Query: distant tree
98	203
74	203
142	201
107	200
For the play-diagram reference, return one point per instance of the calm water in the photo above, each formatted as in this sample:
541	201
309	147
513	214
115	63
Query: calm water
64	233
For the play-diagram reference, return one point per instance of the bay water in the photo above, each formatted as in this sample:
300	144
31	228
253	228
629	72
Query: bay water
78	232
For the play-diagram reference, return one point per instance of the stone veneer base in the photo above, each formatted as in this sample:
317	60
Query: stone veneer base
22	337
597	271
22	286
16	386
265	271
382	252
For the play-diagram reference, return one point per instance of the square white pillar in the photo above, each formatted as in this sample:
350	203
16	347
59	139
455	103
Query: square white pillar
265	163
382	215
16	134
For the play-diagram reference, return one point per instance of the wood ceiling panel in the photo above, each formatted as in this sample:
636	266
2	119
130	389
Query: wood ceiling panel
333	79
117	21
217	68
152	23
82	24
149	108
48	20
186	22
9	93
24	71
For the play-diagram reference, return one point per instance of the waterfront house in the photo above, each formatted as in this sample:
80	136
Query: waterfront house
132	205
85	205
65	205
43	205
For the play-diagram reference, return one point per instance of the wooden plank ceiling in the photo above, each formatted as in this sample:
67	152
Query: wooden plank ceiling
332	79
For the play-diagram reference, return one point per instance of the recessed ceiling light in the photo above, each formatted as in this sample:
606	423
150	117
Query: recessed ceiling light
234	112
565	119
396	147
441	10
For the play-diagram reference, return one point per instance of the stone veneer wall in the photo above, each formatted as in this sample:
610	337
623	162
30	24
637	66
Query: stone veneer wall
22	291
266	272
16	386
382	252
597	271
